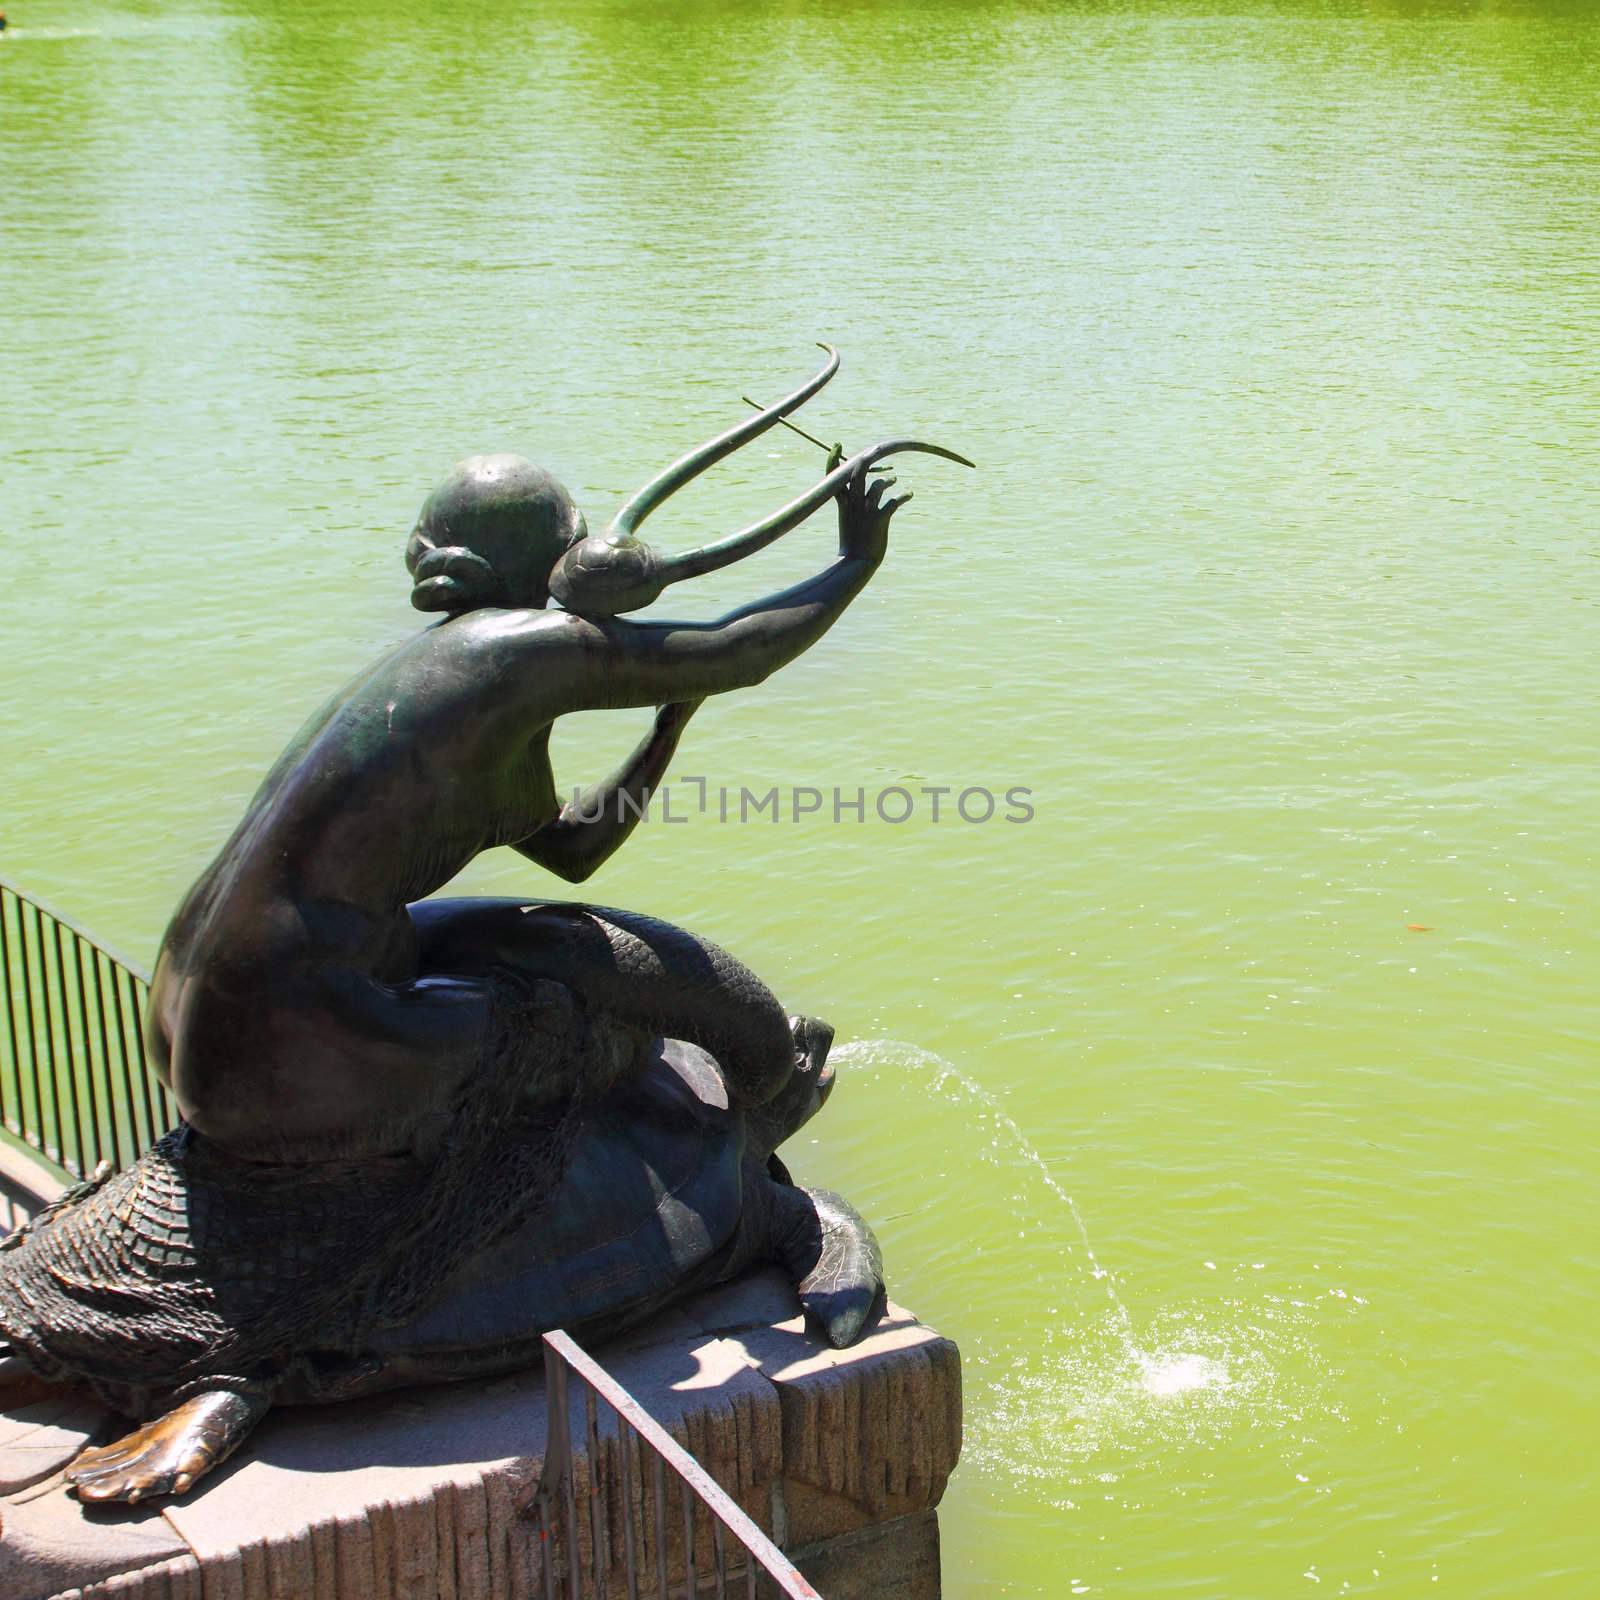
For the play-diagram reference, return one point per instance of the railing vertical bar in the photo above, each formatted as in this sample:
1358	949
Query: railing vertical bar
72	1083
146	1116
691	1579
625	1437
660	1471
547	1550
569	1493
13	1116
146	1125
96	956
101	1099
157	1101
749	1575
719	1557
169	1110
59	1151
69	1072
34	1132
556	1464
599	1523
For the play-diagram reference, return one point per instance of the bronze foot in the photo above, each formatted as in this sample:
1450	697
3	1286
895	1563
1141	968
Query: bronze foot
170	1454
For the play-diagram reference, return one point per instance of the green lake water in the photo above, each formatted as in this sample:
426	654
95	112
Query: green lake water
1265	1220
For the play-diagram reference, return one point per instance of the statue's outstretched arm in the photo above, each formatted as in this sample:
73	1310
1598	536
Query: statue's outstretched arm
592	828
625	663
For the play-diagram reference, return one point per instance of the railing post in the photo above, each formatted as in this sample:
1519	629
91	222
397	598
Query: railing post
698	1489
629	1455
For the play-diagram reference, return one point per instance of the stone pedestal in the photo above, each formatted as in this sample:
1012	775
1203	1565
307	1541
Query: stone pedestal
840	1455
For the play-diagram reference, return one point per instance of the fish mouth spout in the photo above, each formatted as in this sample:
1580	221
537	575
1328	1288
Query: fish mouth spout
805	1093
825	1084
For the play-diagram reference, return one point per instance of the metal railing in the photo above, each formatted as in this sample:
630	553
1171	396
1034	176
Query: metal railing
628	1539
74	1087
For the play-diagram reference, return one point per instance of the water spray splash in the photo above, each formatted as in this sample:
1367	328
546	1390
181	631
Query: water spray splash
902	1058
1178	1374
1074	1395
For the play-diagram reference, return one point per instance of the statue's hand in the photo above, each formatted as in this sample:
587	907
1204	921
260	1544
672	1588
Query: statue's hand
864	516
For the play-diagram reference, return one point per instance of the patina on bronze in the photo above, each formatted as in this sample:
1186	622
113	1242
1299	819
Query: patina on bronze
419	1132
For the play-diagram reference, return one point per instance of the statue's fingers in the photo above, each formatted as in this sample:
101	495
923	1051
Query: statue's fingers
107	1484
891	506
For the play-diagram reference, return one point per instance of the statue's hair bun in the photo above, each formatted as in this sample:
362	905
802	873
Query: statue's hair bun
453	578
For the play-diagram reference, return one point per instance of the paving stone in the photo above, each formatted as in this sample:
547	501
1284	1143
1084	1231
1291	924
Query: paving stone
49	1543
39	1439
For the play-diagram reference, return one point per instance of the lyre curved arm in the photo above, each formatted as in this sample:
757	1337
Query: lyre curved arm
686	468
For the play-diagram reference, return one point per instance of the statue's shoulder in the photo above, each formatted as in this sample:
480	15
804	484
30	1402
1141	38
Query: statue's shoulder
514	652
512	633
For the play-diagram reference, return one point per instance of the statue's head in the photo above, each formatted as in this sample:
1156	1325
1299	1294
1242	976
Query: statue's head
490	535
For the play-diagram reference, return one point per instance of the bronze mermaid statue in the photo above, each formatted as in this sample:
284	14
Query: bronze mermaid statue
419	1132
